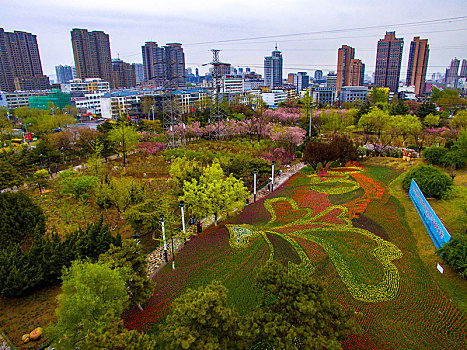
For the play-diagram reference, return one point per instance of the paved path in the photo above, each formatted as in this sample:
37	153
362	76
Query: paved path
156	260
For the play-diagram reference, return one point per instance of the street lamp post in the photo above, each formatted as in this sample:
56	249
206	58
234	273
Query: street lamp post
254	184
181	205
163	237
173	255
272	177
40	157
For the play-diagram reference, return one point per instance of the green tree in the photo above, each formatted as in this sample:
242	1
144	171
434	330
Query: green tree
459	121
121	193
398	107
201	319
9	176
378	95
132	265
20	218
374	121
41	178
116	337
80	186
295	313
214	194
431	120
426	108
183	169
92	294
144	217
125	138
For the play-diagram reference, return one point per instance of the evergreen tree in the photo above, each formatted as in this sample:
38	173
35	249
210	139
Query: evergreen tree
132	264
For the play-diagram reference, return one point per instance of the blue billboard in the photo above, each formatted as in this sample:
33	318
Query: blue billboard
433	224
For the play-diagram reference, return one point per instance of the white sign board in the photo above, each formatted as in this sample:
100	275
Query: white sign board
440	268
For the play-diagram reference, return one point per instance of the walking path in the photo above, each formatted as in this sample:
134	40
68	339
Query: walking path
156	260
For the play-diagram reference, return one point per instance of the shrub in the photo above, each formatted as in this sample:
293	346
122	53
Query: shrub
455	254
453	159
79	186
20	218
435	154
432	182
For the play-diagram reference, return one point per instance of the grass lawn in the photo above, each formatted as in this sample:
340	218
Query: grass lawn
22	315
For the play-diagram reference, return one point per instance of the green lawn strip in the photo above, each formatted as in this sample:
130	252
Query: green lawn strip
454	286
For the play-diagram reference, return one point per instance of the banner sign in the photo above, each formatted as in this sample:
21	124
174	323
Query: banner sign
433	224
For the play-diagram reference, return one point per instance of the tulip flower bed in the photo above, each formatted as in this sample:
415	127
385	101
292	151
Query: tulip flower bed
343	228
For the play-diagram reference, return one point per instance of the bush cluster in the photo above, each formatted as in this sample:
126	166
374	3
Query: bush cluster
445	157
455	254
432	182
40	266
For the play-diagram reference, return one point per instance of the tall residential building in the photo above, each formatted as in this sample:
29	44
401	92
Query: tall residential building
388	61
175	60
418	62
153	62
357	73
318	74
452	72
164	65
345	55
123	74
91	51
139	72
20	62
463	73
273	69
64	74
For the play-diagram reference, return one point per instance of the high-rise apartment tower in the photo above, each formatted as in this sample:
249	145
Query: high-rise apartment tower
164	65
345	55
418	62
20	62
388	61
91	51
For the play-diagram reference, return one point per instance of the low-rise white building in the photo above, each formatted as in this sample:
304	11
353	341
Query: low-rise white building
89	85
17	99
273	98
90	103
353	93
233	84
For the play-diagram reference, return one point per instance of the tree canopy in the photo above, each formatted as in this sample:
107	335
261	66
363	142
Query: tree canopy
92	293
295	313
201	319
214	193
20	218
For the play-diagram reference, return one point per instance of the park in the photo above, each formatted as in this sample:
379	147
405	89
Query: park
341	227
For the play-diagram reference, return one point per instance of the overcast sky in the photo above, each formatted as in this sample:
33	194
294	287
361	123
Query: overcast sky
203	25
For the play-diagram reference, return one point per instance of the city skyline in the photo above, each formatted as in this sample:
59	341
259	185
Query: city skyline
308	36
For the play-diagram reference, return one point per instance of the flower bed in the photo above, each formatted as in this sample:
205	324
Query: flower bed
368	262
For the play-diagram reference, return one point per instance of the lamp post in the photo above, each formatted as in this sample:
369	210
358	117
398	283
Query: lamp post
163	237
173	255
272	177
181	205
40	157
254	184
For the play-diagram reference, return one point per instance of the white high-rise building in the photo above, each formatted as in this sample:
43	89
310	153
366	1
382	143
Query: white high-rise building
273	69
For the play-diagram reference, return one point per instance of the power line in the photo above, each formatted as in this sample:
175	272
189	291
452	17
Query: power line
435	21
327	39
